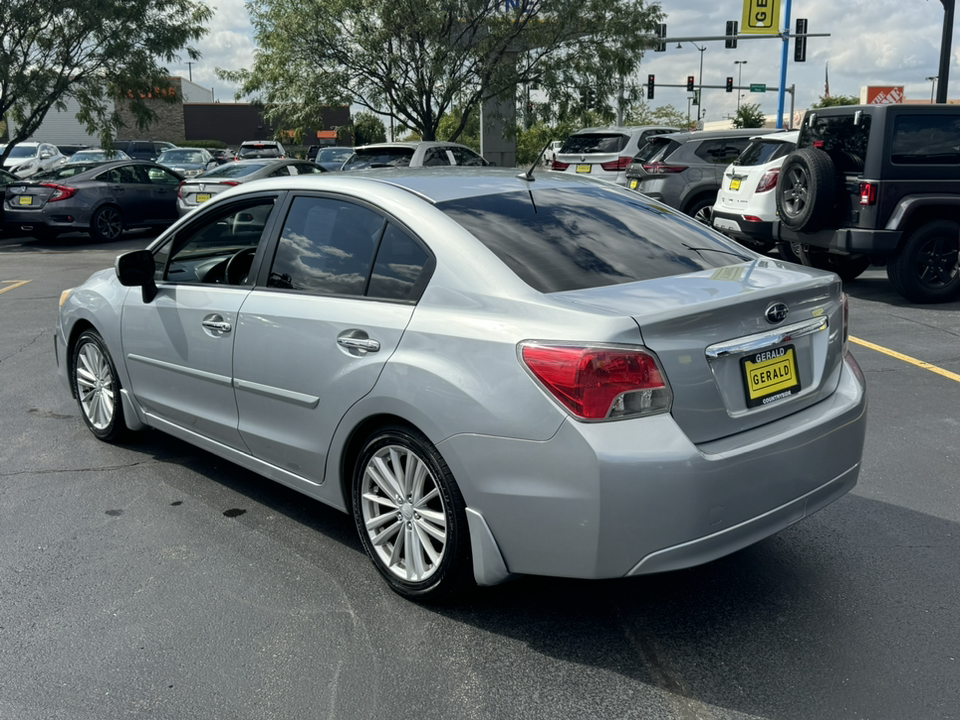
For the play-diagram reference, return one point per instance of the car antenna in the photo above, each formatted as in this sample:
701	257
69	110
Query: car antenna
528	175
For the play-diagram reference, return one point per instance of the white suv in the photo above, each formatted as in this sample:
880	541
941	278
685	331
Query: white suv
606	152
29	158
746	206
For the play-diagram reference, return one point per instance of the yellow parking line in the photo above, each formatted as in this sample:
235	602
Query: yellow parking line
907	359
11	284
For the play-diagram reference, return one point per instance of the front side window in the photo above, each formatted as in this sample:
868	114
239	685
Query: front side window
326	247
124	175
219	248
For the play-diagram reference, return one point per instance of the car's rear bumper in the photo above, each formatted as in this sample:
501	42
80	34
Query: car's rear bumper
735	226
601	500
65	219
854	241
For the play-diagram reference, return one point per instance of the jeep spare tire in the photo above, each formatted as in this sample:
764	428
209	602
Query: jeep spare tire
807	190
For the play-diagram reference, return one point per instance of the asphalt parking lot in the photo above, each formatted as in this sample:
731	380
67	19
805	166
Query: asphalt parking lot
156	580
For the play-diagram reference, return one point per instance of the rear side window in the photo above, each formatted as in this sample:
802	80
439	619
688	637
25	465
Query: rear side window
584	237
842	137
398	268
382	157
760	152
926	140
595	143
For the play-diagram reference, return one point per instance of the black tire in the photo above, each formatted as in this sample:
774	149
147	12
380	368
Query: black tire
848	267
94	379
925	268
807	190
106	225
701	210
789	252
437	568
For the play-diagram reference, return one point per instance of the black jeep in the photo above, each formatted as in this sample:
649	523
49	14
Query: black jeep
877	184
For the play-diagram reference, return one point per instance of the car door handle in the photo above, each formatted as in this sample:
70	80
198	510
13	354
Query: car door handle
217	325
355	343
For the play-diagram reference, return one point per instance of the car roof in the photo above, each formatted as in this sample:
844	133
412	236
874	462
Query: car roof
785	136
410	144
623	128
685	137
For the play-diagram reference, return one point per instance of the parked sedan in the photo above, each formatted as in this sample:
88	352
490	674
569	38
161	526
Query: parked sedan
201	189
332	158
5	179
412	154
493	374
187	161
97	155
104	199
30	158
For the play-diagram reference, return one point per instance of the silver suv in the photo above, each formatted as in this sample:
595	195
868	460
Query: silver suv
605	152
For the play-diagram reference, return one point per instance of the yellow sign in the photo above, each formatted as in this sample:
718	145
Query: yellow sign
760	17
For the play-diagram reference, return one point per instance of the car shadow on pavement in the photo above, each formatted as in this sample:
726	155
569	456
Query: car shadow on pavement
873	286
130	240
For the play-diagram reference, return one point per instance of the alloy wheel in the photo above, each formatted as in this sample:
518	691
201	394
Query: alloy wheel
796	191
937	262
95	386
109	224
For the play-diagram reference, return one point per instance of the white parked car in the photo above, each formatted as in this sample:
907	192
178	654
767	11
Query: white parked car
746	206
29	158
604	152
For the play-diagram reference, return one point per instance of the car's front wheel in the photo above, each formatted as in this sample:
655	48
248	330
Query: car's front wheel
97	388
411	516
107	224
925	269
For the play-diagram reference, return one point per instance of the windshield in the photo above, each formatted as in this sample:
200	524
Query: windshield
181	156
585	237
380	157
595	143
259	151
21	152
233	170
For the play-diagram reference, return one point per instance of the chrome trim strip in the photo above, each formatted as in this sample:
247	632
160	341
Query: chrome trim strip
212	377
309	401
752	343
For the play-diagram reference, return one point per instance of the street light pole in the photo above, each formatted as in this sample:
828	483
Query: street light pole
739	64
700	83
933	86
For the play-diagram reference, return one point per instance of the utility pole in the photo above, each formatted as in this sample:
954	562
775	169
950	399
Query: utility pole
933	86
190	70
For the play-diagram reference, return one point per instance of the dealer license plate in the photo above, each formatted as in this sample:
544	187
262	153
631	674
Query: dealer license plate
583	168
633	184
203	197
26	199
770	375
735	183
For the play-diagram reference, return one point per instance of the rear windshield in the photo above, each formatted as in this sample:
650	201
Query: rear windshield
843	139
381	157
231	170
657	148
595	143
926	140
258	151
584	237
760	152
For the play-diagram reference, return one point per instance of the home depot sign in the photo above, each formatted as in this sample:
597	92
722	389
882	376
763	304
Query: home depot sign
882	95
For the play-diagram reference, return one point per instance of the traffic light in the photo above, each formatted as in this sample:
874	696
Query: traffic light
729	84
591	98
800	46
690	83
650	85
733	27
661	33
696	97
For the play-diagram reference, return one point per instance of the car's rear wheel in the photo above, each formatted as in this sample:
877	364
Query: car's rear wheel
411	516
701	210
107	224
848	267
97	388
925	269
806	190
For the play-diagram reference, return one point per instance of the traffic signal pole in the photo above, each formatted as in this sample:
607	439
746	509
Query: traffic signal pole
783	63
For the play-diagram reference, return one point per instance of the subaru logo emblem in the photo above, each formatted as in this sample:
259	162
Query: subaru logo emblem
21	189
201	187
777	313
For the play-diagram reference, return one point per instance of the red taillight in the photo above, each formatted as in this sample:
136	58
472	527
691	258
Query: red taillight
561	166
60	192
599	383
617	165
229	182
659	168
769	181
819	144
868	193
180	191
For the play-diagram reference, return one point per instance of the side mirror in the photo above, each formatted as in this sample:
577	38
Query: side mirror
491	163
136	269
46	156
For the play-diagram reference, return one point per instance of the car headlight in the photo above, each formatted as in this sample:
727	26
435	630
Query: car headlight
64	295
26	167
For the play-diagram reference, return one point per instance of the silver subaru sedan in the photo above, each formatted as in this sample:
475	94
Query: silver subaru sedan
494	374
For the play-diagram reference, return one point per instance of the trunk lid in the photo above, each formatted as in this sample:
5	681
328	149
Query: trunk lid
711	333
27	195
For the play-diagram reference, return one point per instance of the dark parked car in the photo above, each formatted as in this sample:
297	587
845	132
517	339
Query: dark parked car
189	162
333	158
685	170
223	155
5	179
203	188
143	149
104	199
877	184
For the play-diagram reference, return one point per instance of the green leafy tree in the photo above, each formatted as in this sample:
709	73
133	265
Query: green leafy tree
368	128
452	122
94	51
835	100
749	115
415	61
643	114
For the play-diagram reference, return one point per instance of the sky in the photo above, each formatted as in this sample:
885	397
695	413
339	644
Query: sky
872	42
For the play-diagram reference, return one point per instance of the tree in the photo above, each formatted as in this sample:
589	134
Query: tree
414	61
368	128
643	114
749	115
469	134
94	51
835	100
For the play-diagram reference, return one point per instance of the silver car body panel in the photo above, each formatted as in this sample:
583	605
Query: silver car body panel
545	494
